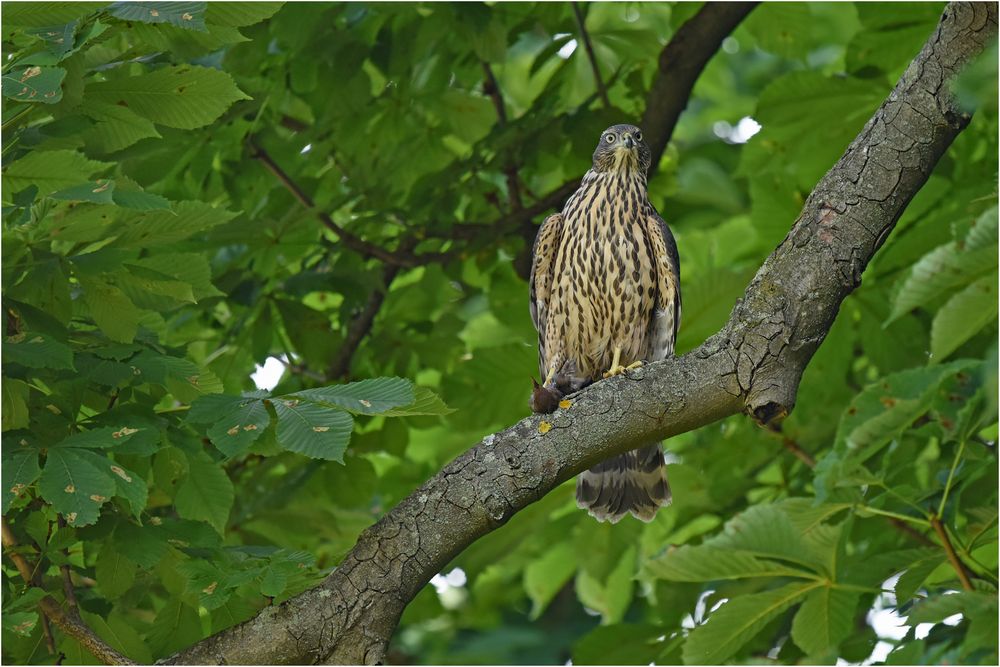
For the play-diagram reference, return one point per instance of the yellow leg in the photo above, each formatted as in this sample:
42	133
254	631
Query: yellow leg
617	368
548	378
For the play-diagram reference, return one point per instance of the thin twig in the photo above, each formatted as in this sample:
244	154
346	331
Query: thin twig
492	88
951	477
349	239
359	327
50	641
953	558
797	450
301	369
585	38
69	622
904	527
64	569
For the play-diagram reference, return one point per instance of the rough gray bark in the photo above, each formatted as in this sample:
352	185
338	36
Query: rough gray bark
752	365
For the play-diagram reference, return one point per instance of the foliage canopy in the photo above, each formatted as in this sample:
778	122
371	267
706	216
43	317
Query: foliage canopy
190	189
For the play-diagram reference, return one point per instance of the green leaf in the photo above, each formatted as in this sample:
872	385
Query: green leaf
117	127
158	228
77	483
915	575
27	599
273	582
787	30
97	192
49	170
825	619
945	268
152	290
367	397
546	576
189	268
788	109
115	573
140	201
181	96
40	14
60	40
19	471
184	378
205	494
884	409
710	563
964	315
34	84
177	626
425	402
235	610
113	312
121	636
940	607
618	588
144	545
984	232
622	644
313	430
20	622
239	424
132	487
766	530
100	438
38	351
238	14
15	404
737	621
188	15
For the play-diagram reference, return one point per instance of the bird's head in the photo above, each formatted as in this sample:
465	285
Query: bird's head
621	148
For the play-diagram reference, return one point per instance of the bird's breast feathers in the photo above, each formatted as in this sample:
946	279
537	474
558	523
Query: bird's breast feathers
604	288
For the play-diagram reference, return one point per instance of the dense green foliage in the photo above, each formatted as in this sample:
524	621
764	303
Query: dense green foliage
151	260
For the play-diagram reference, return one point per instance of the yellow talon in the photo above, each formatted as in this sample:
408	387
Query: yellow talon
617	368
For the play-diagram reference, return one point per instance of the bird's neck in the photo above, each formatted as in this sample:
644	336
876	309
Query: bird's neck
612	178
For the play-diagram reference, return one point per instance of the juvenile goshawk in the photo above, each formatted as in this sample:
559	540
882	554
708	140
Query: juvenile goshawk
605	297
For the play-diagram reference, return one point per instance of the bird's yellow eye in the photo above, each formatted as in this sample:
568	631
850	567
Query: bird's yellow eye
610	138
638	136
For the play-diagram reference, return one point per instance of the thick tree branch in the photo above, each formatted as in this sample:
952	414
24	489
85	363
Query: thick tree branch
681	61
752	365
69	622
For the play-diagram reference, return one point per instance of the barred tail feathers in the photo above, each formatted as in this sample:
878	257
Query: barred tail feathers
635	482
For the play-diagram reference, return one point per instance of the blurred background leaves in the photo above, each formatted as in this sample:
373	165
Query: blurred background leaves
152	260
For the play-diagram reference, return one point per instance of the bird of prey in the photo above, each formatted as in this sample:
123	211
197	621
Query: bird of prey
605	297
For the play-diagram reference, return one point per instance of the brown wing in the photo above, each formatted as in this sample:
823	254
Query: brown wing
543	259
667	313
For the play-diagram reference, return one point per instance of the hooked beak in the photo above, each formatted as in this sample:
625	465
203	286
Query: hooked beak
629	143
